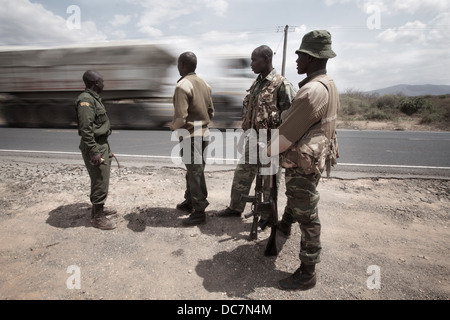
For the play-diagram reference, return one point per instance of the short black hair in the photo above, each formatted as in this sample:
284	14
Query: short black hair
90	76
189	59
264	51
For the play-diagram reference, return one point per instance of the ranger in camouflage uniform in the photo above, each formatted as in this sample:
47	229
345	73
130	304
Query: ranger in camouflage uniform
308	145
269	95
94	129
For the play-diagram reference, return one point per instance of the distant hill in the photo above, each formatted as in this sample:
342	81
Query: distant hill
414	90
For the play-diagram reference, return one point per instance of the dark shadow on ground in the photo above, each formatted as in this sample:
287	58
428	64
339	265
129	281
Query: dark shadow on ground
161	217
70	216
240	272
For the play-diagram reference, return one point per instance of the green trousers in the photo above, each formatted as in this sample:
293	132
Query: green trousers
301	207
192	153
244	175
99	175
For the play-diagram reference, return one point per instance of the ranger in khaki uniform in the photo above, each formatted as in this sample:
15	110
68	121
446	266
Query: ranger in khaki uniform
94	129
308	144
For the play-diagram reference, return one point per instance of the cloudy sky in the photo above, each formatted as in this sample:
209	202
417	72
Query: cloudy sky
379	43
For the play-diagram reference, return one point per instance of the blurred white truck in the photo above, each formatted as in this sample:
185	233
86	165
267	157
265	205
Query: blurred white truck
38	87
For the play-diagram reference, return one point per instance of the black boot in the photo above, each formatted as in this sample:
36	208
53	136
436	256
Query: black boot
108	211
99	219
198	217
185	206
303	278
105	211
228	212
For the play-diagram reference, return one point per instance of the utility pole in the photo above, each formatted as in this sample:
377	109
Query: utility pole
283	68
286	30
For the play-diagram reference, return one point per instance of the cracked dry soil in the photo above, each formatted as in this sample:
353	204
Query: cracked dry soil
400	227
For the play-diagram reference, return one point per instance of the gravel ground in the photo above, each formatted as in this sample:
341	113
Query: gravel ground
383	239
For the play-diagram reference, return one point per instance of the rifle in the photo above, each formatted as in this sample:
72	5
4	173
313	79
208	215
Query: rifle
271	247
260	207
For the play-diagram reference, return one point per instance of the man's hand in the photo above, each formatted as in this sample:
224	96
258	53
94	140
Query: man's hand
97	159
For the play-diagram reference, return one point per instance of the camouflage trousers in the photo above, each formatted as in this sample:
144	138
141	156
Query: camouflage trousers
99	175
244	175
196	191
301	207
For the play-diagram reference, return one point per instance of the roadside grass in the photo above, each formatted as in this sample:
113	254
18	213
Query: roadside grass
423	110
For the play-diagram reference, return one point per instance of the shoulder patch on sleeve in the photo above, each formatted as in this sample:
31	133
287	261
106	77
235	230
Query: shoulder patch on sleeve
84	104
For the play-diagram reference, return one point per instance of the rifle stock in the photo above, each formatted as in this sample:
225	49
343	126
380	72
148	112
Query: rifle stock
259	207
254	230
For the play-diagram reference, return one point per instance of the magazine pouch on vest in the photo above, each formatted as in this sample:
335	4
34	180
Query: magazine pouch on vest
310	153
313	154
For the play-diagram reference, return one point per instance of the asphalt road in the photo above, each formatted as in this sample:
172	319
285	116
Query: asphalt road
371	152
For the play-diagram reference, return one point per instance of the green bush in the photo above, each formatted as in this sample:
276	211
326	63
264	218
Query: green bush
377	115
349	105
446	115
387	102
410	106
429	118
429	110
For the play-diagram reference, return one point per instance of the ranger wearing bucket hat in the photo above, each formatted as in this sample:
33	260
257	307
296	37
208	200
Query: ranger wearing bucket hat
317	44
308	145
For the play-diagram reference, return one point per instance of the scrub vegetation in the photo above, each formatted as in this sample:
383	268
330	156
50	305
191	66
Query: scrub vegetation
426	110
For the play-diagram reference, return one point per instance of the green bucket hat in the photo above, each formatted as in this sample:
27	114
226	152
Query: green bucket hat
317	43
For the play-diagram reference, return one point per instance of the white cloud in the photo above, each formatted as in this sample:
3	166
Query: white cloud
119	34
368	6
413	34
157	12
219	6
120	20
439	34
361	4
410	33
23	22
151	31
414	6
397	6
300	30
332	2
214	37
432	34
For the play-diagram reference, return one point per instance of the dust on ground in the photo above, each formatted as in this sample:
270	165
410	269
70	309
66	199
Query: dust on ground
382	239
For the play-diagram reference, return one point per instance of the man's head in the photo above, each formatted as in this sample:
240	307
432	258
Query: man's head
93	80
262	60
187	63
314	51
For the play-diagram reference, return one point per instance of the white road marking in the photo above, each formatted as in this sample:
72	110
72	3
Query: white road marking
221	159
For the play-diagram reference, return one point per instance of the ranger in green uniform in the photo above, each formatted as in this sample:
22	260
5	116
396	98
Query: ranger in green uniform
94	129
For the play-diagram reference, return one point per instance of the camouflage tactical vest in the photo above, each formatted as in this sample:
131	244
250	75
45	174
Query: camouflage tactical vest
318	148
261	111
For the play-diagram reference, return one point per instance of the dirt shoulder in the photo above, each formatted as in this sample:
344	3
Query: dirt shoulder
405	124
391	232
